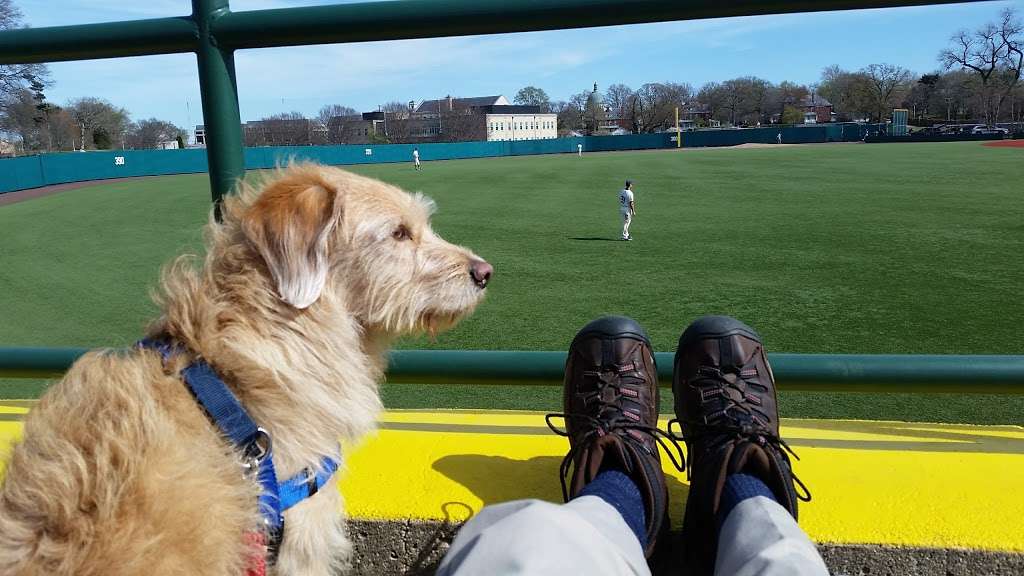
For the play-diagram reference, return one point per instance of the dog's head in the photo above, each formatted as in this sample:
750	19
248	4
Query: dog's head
321	229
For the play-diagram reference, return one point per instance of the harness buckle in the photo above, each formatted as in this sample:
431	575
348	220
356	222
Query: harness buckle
260	447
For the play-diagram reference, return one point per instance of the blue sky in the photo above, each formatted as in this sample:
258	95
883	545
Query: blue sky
787	47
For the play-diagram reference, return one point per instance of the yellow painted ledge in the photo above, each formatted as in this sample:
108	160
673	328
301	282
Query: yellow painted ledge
929	485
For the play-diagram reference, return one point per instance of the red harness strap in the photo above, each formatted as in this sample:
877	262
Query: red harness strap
256	542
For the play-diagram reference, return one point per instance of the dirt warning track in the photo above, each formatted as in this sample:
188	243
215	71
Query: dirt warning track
21	195
1005	144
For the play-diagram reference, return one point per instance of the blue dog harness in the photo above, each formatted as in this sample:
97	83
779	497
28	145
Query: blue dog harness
254	444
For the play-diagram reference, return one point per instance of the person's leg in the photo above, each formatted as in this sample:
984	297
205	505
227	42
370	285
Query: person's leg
627	218
588	535
742	506
617	497
757	536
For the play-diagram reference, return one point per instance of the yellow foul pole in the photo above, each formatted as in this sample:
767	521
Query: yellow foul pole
679	135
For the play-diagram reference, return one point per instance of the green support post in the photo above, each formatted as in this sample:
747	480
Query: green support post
221	118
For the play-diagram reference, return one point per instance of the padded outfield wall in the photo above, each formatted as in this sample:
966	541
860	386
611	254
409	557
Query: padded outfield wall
61	168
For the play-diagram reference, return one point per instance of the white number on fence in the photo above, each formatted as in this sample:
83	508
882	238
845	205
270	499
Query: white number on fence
118	160
369	152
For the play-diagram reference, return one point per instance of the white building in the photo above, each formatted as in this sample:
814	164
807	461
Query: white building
489	118
522	123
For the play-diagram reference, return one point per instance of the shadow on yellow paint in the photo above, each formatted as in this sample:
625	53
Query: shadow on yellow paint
497	479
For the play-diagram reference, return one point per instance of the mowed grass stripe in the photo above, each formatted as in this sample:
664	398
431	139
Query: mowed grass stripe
829	248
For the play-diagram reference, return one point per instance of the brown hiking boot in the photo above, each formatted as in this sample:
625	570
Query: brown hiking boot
611	415
728	411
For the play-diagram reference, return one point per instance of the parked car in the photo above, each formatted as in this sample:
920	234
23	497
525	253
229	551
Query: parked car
983	129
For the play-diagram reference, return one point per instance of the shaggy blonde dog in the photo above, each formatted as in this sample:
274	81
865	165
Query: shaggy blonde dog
304	285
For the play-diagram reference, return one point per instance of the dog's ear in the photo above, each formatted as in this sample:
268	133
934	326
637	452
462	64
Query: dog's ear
290	224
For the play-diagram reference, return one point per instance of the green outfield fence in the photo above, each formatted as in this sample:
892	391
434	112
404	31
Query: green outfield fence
213	33
60	168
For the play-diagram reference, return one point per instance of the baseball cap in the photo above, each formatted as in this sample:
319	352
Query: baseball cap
628	182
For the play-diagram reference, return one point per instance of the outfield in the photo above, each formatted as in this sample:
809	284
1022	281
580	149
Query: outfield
886	248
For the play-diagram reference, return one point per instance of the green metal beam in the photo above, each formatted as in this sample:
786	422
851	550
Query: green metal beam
106	40
221	118
393	20
805	372
369	21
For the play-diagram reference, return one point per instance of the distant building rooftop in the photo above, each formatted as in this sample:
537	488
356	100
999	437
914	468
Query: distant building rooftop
448	104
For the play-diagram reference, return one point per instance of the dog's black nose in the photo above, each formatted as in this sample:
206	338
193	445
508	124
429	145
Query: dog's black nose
481	272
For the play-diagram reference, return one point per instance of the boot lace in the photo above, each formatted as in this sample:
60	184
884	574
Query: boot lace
605	394
737	420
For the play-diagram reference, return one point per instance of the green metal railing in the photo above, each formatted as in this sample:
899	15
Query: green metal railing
213	33
805	372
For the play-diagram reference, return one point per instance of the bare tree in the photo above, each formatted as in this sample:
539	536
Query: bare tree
955	93
462	125
399	109
710	97
886	85
755	93
787	97
921	97
654	104
995	54
16	77
569	117
286	129
334	110
62	129
339	122
150	133
619	100
101	123
733	99
847	91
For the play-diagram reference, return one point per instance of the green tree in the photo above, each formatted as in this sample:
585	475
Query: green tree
792	115
533	96
101	139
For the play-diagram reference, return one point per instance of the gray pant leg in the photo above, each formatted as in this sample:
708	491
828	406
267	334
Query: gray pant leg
584	536
759	537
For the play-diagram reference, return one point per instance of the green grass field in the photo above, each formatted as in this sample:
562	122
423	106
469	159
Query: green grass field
831	248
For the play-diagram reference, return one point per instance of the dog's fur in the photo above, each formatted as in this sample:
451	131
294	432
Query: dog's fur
309	277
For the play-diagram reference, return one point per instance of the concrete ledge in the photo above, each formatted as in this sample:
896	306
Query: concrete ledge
415	548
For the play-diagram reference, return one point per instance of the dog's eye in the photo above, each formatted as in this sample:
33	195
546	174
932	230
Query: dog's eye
401	233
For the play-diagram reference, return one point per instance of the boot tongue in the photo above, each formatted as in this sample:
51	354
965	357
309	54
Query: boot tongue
607	453
751	459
